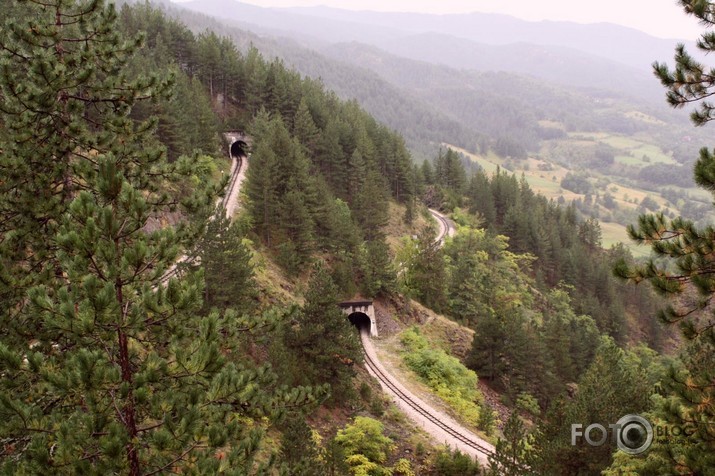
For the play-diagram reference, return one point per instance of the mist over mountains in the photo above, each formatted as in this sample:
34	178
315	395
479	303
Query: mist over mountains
615	42
431	77
601	56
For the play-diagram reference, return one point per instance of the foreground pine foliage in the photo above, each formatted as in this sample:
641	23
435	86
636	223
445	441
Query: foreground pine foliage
104	367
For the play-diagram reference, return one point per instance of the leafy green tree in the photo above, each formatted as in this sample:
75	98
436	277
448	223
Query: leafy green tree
365	437
107	368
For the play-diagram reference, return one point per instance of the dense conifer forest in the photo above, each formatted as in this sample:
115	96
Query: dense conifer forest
112	157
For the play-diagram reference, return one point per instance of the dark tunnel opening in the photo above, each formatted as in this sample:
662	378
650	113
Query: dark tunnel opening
239	149
360	320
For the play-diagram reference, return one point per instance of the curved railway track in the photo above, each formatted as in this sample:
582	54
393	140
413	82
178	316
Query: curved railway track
387	382
445	227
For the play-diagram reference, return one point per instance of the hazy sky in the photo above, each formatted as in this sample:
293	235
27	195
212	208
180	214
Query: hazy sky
663	18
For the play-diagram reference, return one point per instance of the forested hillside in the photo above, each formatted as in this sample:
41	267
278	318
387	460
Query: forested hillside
112	158
603	121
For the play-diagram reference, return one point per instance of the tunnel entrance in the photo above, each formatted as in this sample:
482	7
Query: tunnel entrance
361	314
360	320
239	149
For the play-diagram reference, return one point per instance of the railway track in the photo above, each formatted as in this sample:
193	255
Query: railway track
224	202
232	181
387	382
444	226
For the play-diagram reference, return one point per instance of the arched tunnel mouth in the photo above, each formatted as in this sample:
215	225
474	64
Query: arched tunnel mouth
239	149
360	320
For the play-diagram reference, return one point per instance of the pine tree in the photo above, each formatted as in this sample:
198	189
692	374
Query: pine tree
255	75
481	199
263	200
299	451
323	339
468	298
428	172
304	127
378	274
683	267
512	453
298	224
107	369
612	386
370	207
428	271
226	260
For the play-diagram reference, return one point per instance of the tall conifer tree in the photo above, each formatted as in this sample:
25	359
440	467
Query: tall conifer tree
323	337
683	268
106	368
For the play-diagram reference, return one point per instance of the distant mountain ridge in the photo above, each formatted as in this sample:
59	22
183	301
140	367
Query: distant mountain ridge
434	87
615	42
600	56
294	22
556	64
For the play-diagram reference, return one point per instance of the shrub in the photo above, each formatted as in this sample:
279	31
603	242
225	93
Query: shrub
445	374
487	419
527	402
455	463
403	468
365	437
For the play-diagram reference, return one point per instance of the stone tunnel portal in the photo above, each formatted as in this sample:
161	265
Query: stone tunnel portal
361	314
239	149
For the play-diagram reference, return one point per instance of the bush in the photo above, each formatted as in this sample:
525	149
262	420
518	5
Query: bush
455	463
445	374
527	402
403	468
365	437
365	391
377	408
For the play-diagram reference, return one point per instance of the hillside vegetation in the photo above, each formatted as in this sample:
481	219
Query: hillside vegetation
242	362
